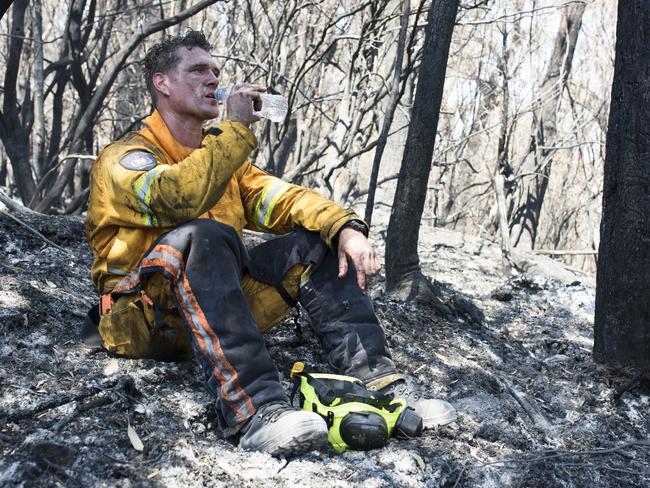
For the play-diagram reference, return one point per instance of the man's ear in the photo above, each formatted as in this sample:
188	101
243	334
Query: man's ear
160	83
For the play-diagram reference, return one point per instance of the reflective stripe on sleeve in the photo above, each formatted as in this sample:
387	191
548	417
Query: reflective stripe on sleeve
142	188
267	202
117	271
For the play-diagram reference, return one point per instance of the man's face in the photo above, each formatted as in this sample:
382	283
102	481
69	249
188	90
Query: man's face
191	84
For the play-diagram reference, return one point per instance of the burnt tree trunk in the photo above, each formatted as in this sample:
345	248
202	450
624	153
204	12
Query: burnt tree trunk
402	262
622	319
536	170
15	117
4	6
38	142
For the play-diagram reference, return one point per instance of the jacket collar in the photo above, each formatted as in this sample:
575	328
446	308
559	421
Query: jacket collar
157	132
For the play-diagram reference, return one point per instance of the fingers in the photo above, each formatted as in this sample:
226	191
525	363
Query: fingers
354	246
366	266
362	279
343	264
248	88
253	91
376	265
362	266
244	99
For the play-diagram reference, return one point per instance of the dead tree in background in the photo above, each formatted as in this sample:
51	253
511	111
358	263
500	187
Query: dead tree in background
334	85
622	319
534	176
4	6
15	118
402	262
390	112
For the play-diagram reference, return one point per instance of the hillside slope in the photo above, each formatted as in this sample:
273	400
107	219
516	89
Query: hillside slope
535	410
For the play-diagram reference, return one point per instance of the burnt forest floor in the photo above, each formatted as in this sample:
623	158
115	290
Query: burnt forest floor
534	408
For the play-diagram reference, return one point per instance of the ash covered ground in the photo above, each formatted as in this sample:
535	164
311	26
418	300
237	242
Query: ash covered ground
535	410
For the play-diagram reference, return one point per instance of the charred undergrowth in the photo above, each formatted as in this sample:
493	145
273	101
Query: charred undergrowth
535	410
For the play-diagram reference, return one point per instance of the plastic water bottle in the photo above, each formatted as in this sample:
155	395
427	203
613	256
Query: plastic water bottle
274	107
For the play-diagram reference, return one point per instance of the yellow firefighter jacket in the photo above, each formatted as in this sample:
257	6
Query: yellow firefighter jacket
147	183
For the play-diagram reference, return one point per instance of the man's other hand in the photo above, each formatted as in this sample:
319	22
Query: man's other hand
243	100
354	246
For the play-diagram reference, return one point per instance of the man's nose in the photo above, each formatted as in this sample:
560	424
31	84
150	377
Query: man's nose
213	80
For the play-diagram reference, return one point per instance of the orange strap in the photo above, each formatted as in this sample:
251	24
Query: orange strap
105	304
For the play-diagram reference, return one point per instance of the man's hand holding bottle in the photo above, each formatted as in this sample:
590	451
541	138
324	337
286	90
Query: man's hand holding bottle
242	101
266	105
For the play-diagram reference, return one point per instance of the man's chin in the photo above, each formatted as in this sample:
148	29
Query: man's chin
210	113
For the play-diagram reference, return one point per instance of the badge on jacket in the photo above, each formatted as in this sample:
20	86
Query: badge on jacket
138	161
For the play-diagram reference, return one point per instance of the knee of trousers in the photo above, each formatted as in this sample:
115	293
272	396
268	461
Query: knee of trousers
271	261
203	238
213	230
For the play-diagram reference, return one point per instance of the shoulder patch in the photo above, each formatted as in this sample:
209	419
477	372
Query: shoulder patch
214	131
138	161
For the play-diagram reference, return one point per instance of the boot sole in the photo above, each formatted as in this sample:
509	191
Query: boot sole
306	436
301	444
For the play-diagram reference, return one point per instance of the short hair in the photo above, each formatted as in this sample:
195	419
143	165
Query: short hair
163	57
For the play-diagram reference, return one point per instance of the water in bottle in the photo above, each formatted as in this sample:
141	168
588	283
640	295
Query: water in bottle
274	107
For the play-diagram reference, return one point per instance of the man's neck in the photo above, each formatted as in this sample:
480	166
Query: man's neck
188	132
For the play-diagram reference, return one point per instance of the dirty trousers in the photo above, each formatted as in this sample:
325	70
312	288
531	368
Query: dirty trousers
198	291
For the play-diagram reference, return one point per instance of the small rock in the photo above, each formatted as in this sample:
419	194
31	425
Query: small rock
503	294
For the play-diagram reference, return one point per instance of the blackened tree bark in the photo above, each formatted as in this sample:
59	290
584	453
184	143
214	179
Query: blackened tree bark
16	116
535	173
402	262
622	320
4	6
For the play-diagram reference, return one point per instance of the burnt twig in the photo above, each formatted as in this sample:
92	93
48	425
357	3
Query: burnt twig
548	454
94	403
31	229
64	399
527	403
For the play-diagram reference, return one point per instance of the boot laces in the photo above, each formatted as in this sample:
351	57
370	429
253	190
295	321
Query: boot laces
270	412
403	389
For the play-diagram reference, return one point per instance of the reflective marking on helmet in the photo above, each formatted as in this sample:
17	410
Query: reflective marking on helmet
142	188
267	202
138	161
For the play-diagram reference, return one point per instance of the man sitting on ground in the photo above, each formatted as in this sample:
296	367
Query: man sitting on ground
167	208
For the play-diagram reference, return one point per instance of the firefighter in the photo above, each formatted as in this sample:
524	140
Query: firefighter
166	212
